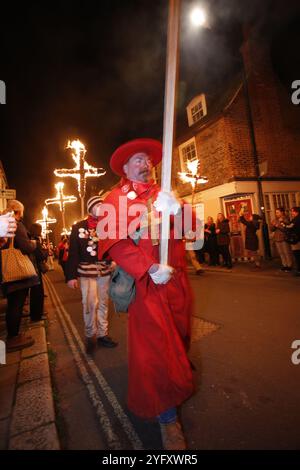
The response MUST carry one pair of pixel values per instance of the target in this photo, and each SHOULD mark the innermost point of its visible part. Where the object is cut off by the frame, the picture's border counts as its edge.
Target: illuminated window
(187, 152)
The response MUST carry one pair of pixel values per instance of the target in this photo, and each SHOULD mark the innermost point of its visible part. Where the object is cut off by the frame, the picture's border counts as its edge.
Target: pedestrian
(211, 244)
(294, 236)
(93, 276)
(50, 256)
(159, 320)
(36, 292)
(251, 238)
(192, 255)
(279, 234)
(63, 253)
(17, 291)
(223, 239)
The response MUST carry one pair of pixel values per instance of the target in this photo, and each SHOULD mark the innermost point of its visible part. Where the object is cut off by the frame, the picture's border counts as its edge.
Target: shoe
(18, 342)
(90, 345)
(172, 436)
(107, 342)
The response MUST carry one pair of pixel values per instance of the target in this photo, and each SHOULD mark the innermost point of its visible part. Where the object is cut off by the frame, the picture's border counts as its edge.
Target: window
(276, 200)
(197, 112)
(196, 109)
(187, 152)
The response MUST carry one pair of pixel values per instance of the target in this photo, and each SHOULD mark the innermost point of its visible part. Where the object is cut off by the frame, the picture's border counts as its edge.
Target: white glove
(162, 275)
(167, 202)
(8, 225)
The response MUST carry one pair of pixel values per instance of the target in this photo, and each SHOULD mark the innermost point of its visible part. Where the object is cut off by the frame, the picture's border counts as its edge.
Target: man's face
(95, 211)
(138, 168)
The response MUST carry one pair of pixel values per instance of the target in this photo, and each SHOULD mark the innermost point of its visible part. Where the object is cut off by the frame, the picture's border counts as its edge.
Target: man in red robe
(159, 321)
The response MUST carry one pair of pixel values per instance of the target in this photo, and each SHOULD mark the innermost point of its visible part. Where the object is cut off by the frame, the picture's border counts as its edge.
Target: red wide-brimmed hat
(152, 147)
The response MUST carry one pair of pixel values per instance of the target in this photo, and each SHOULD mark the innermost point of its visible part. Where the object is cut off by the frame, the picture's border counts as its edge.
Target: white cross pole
(169, 118)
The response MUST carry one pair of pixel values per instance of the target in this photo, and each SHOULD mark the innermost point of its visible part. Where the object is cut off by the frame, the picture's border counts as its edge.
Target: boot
(15, 343)
(172, 436)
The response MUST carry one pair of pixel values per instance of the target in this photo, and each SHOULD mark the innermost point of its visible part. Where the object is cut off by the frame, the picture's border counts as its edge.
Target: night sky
(95, 71)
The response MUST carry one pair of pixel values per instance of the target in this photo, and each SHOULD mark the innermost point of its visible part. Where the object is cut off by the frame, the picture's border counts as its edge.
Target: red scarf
(92, 222)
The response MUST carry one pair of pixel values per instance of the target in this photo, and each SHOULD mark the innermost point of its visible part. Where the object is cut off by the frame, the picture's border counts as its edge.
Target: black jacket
(223, 237)
(251, 239)
(78, 252)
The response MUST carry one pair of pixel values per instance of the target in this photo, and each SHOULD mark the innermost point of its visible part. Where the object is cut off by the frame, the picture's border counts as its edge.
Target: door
(237, 229)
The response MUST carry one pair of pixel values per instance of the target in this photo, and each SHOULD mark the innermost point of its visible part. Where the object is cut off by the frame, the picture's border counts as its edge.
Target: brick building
(247, 140)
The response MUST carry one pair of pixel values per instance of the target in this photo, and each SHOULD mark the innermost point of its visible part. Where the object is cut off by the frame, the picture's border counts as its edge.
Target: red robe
(159, 319)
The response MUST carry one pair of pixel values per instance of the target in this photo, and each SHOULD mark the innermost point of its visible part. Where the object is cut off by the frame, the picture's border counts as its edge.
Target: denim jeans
(167, 417)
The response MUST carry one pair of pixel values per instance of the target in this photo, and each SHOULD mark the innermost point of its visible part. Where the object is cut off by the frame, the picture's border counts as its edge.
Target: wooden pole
(82, 207)
(169, 118)
(63, 219)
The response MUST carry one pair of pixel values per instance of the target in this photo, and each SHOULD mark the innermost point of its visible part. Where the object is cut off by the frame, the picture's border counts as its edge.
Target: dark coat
(23, 243)
(40, 254)
(223, 237)
(78, 250)
(251, 239)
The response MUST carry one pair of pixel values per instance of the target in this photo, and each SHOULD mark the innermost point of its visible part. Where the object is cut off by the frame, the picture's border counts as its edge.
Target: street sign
(7, 193)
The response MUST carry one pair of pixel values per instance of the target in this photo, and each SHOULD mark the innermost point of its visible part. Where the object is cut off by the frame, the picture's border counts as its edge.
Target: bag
(15, 265)
(122, 286)
(292, 238)
(121, 289)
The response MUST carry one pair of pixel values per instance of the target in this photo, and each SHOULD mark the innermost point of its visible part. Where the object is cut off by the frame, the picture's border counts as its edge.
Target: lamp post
(265, 231)
(198, 19)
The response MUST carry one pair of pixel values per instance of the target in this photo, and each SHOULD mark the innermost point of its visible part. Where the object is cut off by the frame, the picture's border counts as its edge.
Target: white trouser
(95, 305)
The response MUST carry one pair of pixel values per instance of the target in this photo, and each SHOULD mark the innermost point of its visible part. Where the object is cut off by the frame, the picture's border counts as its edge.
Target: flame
(60, 198)
(82, 170)
(45, 221)
(45, 213)
(193, 166)
(192, 176)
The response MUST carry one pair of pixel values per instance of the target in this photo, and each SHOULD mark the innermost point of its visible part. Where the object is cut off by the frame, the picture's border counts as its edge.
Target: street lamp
(198, 17)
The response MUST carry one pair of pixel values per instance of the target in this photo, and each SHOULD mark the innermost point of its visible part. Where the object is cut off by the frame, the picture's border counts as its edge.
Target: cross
(44, 222)
(61, 200)
(192, 176)
(81, 171)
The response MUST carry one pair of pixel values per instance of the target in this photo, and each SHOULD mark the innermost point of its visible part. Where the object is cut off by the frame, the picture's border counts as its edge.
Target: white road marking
(117, 408)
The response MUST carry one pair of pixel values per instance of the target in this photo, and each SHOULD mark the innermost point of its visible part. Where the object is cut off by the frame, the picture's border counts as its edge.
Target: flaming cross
(61, 200)
(81, 171)
(44, 222)
(192, 176)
